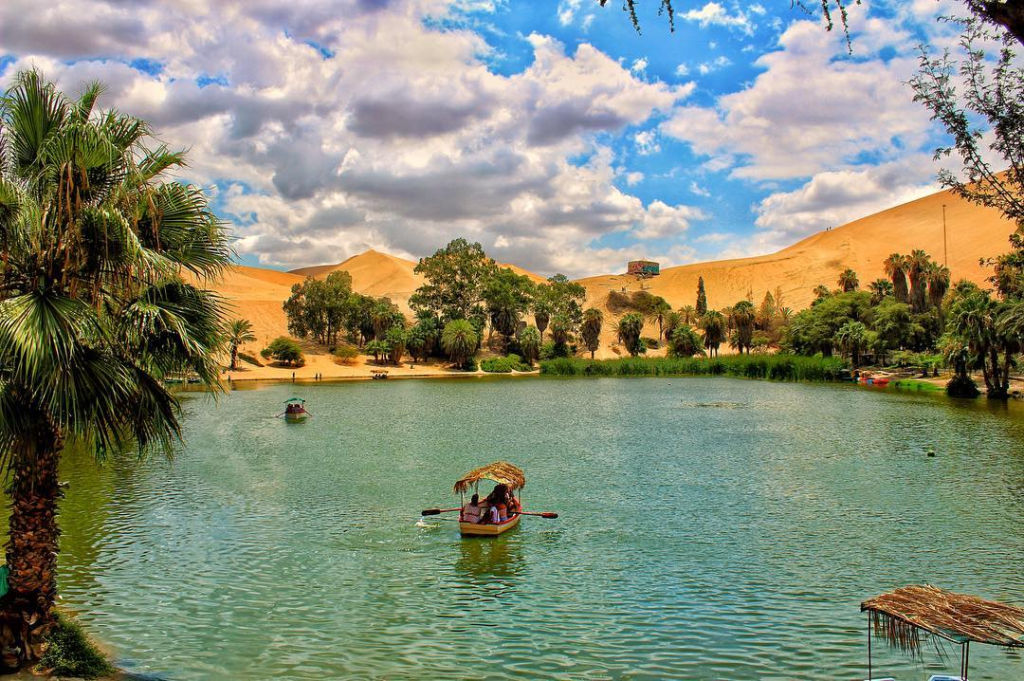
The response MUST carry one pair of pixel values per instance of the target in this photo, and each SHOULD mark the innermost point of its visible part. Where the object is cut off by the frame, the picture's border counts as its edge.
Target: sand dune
(972, 233)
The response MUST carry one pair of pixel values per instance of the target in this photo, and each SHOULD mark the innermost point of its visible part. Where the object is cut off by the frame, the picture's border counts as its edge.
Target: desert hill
(972, 233)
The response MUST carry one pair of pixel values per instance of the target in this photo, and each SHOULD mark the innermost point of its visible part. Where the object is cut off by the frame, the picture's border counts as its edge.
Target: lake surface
(709, 529)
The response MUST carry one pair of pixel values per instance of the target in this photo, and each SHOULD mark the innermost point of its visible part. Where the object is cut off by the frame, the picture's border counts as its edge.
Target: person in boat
(473, 512)
(513, 504)
(497, 500)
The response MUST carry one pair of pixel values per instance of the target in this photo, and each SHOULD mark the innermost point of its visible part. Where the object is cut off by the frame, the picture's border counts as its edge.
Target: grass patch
(779, 367)
(69, 652)
(504, 365)
(911, 384)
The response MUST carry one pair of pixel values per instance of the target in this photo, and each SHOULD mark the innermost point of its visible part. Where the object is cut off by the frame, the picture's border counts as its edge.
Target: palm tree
(821, 292)
(661, 308)
(936, 277)
(593, 319)
(743, 311)
(529, 344)
(848, 280)
(896, 269)
(673, 320)
(239, 332)
(851, 338)
(459, 339)
(93, 311)
(560, 328)
(880, 288)
(378, 349)
(630, 328)
(541, 315)
(688, 314)
(685, 342)
(917, 263)
(766, 312)
(714, 326)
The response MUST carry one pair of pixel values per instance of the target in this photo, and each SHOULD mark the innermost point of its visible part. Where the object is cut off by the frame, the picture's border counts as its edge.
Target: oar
(545, 514)
(436, 511)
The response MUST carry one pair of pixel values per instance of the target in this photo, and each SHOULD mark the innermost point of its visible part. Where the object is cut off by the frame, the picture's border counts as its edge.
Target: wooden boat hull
(486, 529)
(295, 418)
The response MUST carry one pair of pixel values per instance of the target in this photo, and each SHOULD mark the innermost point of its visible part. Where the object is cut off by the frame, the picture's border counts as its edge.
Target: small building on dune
(643, 268)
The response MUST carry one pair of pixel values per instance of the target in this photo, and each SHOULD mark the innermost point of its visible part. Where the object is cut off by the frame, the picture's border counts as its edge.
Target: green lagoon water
(710, 529)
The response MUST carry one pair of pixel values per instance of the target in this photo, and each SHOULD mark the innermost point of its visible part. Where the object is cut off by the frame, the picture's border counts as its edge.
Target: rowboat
(295, 410)
(507, 479)
(488, 530)
(500, 473)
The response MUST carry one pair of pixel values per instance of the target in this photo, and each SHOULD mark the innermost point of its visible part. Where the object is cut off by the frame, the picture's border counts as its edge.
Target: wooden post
(870, 675)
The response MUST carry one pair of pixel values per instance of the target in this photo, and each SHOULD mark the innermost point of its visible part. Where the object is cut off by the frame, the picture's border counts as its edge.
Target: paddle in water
(438, 511)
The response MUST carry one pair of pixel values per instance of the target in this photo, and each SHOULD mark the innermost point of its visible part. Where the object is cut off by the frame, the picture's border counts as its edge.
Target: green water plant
(778, 367)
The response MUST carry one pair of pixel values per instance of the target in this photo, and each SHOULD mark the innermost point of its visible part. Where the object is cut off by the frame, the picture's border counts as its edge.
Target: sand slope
(973, 233)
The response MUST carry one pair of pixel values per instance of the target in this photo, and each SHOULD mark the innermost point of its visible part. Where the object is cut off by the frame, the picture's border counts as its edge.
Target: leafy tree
(459, 340)
(894, 325)
(317, 309)
(765, 314)
(744, 314)
(848, 281)
(455, 278)
(94, 314)
(285, 350)
(685, 342)
(688, 314)
(529, 344)
(593, 319)
(508, 295)
(630, 328)
(564, 298)
(714, 326)
(397, 339)
(238, 332)
(880, 288)
(958, 355)
(992, 95)
(896, 269)
(702, 298)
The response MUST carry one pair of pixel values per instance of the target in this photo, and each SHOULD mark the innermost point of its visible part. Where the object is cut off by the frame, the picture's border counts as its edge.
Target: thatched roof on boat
(501, 472)
(901, 615)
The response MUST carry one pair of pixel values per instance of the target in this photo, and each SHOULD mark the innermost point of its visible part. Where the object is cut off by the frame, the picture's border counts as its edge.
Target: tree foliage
(455, 279)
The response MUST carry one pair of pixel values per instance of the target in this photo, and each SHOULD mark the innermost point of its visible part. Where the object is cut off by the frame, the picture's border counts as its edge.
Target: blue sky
(549, 131)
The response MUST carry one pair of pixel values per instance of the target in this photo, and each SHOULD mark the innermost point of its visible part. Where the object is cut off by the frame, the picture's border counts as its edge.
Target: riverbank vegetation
(70, 653)
(771, 367)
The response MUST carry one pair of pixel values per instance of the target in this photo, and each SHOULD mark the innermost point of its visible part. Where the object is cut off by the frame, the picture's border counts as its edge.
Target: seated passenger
(472, 512)
(495, 515)
(513, 504)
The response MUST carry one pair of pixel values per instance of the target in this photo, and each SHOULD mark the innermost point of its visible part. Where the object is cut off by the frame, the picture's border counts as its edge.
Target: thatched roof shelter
(899, 616)
(501, 472)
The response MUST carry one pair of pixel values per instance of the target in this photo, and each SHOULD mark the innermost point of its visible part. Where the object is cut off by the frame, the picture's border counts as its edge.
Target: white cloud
(639, 65)
(401, 141)
(714, 65)
(833, 198)
(809, 110)
(714, 14)
(634, 178)
(714, 238)
(567, 10)
(683, 70)
(647, 142)
(698, 190)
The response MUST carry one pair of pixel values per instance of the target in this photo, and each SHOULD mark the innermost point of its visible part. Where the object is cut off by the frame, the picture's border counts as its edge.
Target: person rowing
(472, 512)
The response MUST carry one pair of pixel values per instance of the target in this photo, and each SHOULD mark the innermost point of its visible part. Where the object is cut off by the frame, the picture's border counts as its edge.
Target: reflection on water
(732, 538)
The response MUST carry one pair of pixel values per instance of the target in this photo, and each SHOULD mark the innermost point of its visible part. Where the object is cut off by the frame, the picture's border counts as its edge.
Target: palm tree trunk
(234, 357)
(32, 545)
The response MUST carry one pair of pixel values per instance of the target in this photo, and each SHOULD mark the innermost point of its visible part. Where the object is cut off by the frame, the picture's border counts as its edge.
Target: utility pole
(945, 248)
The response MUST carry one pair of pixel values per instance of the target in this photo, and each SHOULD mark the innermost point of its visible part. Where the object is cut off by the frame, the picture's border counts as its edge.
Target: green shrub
(345, 354)
(250, 358)
(285, 350)
(780, 367)
(503, 365)
(468, 365)
(69, 652)
(961, 386)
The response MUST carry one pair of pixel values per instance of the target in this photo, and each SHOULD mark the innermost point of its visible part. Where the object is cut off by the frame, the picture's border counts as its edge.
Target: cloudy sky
(547, 130)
